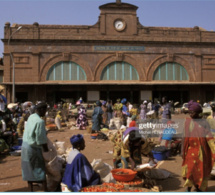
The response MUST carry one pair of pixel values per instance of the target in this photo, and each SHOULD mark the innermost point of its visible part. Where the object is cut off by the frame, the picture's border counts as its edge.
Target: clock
(119, 25)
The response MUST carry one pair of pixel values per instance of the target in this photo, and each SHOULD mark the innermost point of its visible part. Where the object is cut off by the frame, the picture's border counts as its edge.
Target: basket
(123, 174)
(159, 155)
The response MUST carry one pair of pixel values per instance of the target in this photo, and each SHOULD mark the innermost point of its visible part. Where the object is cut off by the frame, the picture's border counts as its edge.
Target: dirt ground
(10, 166)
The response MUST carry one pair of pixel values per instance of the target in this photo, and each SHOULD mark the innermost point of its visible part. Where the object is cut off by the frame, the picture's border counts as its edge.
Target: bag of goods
(54, 168)
(52, 153)
(60, 147)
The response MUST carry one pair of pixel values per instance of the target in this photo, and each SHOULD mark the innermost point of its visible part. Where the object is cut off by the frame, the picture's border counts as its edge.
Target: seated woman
(79, 172)
(129, 145)
(58, 120)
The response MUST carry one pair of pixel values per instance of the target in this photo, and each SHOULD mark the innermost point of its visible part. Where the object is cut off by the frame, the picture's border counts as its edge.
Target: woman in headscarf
(97, 117)
(143, 110)
(198, 150)
(125, 111)
(58, 120)
(109, 111)
(79, 172)
(104, 115)
(129, 145)
(81, 121)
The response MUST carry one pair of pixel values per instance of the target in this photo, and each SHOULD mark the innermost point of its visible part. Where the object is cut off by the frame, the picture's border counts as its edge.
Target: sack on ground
(52, 153)
(54, 168)
(60, 147)
(104, 170)
(158, 174)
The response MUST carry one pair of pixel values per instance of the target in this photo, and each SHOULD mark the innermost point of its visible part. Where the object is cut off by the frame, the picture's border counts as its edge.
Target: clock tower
(119, 19)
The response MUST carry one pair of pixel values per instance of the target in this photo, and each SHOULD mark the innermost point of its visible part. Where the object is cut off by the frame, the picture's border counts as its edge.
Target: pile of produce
(98, 188)
(137, 182)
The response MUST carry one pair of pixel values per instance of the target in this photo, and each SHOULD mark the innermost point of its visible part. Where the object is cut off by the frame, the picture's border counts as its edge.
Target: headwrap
(145, 102)
(104, 102)
(76, 139)
(118, 100)
(124, 100)
(98, 103)
(41, 105)
(194, 106)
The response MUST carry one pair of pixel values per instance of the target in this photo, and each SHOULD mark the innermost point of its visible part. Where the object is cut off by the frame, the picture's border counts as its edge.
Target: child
(167, 135)
(133, 121)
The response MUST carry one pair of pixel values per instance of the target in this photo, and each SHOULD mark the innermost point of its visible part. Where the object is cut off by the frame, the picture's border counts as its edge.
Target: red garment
(132, 124)
(197, 155)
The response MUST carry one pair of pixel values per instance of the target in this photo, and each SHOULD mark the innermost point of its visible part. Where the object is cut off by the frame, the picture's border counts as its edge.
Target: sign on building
(92, 96)
(146, 95)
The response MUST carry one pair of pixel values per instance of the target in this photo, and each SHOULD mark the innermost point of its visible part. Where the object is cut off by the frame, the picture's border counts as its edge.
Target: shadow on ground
(171, 184)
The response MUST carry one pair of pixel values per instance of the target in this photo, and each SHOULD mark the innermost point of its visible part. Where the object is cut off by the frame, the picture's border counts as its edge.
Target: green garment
(33, 165)
(35, 132)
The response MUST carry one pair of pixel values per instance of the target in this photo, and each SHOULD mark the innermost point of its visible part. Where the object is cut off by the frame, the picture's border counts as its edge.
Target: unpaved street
(10, 166)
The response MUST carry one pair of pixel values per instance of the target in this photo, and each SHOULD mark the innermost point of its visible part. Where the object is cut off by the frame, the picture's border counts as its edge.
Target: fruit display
(117, 185)
(111, 187)
(135, 190)
(137, 182)
(99, 188)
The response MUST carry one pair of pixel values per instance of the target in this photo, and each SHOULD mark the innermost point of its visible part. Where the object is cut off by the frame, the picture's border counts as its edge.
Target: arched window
(119, 71)
(64, 71)
(170, 71)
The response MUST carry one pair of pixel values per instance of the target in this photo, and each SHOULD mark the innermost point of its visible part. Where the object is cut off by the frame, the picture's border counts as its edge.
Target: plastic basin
(123, 174)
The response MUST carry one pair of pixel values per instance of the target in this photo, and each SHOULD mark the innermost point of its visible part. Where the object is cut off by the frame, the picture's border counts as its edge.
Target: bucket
(159, 155)
(64, 188)
(19, 141)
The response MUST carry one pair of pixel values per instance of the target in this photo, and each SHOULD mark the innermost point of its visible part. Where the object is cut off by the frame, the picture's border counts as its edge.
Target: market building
(115, 58)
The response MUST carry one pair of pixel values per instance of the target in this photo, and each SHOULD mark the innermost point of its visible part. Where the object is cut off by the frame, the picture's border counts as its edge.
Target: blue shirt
(168, 133)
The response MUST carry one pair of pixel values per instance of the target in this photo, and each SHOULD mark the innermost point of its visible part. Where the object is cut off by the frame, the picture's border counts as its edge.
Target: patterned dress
(82, 121)
(121, 150)
(198, 154)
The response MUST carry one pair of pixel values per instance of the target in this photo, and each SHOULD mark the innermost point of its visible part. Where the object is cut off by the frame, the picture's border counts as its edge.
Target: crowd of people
(28, 121)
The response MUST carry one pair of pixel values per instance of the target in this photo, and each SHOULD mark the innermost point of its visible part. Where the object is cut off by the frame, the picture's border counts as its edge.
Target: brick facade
(36, 48)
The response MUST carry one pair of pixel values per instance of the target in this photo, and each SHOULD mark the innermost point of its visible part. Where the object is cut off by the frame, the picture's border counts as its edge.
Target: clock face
(119, 25)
